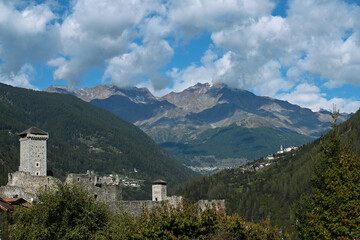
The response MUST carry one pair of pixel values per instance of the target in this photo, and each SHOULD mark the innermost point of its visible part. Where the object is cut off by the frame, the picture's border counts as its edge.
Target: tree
(333, 210)
(63, 212)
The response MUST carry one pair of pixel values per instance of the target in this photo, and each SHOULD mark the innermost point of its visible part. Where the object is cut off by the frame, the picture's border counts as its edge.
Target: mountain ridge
(180, 118)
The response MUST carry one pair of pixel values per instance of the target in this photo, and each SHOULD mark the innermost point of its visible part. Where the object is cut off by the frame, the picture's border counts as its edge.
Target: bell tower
(33, 151)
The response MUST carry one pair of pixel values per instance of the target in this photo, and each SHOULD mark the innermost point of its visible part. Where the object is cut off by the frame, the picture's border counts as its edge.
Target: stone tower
(159, 192)
(33, 151)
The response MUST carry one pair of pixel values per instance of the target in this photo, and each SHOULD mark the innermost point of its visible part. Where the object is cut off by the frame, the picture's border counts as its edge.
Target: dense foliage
(69, 212)
(82, 137)
(333, 210)
(272, 191)
(64, 212)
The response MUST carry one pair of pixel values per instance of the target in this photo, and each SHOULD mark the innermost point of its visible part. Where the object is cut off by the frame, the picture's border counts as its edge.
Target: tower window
(78, 179)
(37, 173)
(37, 164)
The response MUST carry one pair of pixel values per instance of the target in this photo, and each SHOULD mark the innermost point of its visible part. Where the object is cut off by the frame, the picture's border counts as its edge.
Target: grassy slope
(272, 191)
(82, 136)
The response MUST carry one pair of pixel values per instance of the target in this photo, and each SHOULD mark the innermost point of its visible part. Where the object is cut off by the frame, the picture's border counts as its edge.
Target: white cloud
(328, 34)
(98, 31)
(310, 96)
(191, 17)
(20, 79)
(130, 68)
(27, 36)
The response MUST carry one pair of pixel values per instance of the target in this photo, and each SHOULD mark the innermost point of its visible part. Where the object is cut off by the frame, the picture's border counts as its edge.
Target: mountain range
(210, 125)
(82, 137)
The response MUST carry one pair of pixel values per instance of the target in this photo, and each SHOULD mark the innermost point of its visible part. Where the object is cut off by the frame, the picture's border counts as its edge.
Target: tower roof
(159, 182)
(34, 131)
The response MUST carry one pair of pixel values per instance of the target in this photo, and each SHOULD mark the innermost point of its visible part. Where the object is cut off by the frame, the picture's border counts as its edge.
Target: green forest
(272, 192)
(81, 137)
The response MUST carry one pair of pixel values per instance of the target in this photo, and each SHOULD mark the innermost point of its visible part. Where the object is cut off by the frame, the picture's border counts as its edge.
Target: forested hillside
(271, 191)
(227, 142)
(82, 136)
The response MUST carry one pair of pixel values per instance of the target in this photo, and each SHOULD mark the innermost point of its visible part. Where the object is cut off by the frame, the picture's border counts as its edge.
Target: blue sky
(304, 51)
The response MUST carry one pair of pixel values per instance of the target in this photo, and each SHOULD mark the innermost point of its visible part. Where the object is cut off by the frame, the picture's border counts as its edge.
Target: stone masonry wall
(102, 188)
(33, 155)
(25, 185)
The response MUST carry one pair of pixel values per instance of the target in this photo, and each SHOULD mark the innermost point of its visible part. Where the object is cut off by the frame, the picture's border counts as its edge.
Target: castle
(33, 175)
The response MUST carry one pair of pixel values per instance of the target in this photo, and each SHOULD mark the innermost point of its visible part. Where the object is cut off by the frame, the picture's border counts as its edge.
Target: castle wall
(134, 208)
(25, 185)
(102, 188)
(218, 204)
(174, 200)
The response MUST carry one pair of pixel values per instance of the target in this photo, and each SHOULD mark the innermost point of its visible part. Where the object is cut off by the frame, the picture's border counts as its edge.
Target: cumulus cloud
(310, 96)
(130, 68)
(20, 79)
(27, 36)
(98, 31)
(190, 17)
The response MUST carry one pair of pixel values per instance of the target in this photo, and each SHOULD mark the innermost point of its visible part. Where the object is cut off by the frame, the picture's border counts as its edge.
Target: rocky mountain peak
(105, 91)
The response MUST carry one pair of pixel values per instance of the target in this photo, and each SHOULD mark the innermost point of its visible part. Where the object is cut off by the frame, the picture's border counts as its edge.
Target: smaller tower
(159, 190)
(33, 151)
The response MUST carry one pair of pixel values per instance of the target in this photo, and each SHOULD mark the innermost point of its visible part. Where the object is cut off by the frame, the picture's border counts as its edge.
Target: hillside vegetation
(229, 142)
(82, 136)
(271, 191)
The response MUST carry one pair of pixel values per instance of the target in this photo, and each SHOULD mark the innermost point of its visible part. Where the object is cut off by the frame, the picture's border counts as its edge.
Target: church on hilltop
(33, 175)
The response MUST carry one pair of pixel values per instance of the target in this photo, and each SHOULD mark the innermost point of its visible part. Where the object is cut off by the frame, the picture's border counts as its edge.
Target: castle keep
(33, 151)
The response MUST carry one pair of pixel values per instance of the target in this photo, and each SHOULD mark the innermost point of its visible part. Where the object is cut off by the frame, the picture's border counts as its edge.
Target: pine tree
(333, 210)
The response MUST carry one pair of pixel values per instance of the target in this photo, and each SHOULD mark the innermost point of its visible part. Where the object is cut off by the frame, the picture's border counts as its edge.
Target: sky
(306, 52)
